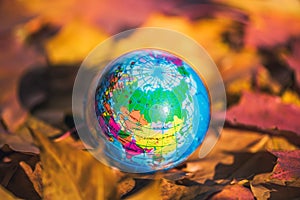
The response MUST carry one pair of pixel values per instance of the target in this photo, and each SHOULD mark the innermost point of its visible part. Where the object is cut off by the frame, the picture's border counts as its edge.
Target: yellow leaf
(237, 86)
(152, 192)
(4, 194)
(71, 174)
(50, 10)
(267, 16)
(209, 34)
(290, 7)
(280, 143)
(291, 97)
(74, 42)
(206, 32)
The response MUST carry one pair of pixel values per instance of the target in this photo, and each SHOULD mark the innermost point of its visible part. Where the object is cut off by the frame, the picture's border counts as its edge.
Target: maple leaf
(72, 174)
(264, 112)
(288, 165)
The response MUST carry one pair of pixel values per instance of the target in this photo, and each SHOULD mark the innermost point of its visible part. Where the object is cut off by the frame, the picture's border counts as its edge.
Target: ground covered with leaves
(256, 46)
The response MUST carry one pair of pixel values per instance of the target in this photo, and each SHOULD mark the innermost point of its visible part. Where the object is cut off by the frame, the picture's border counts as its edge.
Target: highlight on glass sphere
(152, 110)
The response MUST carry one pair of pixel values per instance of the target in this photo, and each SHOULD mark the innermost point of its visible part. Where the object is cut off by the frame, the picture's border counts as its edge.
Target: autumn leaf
(209, 33)
(259, 189)
(276, 143)
(232, 192)
(11, 71)
(73, 174)
(34, 176)
(263, 187)
(4, 194)
(265, 112)
(293, 60)
(12, 13)
(187, 189)
(21, 140)
(151, 192)
(288, 165)
(13, 177)
(237, 160)
(267, 16)
(252, 44)
(291, 97)
(18, 142)
(110, 15)
(78, 37)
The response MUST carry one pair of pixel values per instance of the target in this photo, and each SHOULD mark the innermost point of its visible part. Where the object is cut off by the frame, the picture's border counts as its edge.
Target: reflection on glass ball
(153, 110)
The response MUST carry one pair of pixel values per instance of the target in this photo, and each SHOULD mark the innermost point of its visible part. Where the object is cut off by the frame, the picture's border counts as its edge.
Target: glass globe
(145, 99)
(152, 109)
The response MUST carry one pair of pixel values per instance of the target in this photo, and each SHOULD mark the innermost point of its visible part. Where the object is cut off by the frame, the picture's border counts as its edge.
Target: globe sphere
(152, 110)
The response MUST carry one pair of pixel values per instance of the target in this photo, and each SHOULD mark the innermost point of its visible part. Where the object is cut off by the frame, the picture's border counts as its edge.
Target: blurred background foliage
(255, 44)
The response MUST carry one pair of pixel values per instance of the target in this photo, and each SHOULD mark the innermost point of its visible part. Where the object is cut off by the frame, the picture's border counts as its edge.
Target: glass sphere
(152, 110)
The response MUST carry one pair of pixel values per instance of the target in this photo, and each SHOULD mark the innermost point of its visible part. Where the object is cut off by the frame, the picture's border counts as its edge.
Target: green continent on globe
(156, 106)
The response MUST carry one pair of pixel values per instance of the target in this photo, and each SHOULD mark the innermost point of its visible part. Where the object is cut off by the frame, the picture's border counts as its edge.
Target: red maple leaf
(288, 165)
(265, 112)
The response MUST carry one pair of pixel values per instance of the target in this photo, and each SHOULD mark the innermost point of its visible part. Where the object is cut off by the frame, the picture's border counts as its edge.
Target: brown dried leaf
(22, 141)
(13, 177)
(263, 187)
(187, 189)
(18, 142)
(13, 114)
(234, 161)
(72, 174)
(259, 190)
(126, 185)
(34, 176)
(233, 192)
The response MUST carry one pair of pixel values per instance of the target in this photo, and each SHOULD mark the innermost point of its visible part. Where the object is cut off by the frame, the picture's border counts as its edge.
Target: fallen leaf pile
(256, 46)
